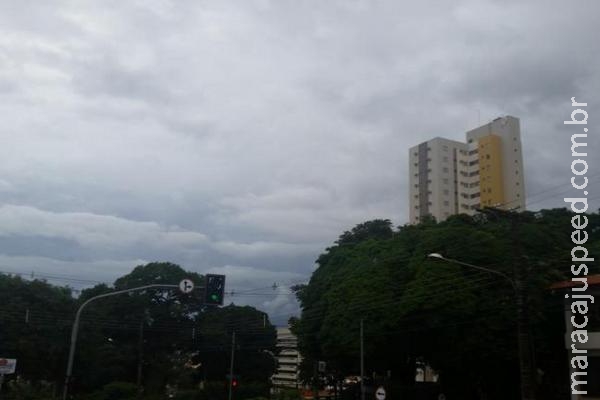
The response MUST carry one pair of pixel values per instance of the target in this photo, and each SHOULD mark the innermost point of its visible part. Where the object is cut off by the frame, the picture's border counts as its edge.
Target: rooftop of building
(592, 280)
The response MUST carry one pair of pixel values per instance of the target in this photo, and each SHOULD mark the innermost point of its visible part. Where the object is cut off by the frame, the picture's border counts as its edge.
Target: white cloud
(92, 230)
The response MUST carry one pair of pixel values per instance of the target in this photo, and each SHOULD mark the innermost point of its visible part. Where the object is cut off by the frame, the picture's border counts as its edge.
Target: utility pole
(362, 361)
(520, 277)
(140, 358)
(526, 362)
(231, 365)
(315, 384)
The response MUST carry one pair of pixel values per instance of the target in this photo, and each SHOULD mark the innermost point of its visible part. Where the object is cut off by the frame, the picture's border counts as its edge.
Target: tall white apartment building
(288, 360)
(447, 177)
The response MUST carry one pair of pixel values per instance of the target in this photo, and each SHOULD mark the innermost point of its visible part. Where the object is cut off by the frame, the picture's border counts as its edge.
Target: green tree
(459, 320)
(255, 340)
(112, 328)
(34, 327)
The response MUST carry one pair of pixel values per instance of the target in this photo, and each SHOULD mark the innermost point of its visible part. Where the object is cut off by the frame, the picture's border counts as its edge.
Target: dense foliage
(153, 339)
(419, 310)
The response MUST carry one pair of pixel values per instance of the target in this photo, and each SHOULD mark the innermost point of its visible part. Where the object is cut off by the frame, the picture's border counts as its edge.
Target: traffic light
(215, 288)
(234, 381)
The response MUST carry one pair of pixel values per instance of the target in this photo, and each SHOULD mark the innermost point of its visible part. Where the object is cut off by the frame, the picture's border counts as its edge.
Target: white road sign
(380, 393)
(7, 366)
(186, 286)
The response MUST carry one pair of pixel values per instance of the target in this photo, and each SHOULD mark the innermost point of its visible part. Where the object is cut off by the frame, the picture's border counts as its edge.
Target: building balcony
(285, 377)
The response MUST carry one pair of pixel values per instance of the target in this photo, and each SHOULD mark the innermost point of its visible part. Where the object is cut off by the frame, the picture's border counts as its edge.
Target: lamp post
(525, 359)
(450, 260)
(75, 329)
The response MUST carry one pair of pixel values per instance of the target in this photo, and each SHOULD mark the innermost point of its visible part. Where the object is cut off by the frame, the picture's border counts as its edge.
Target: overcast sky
(243, 137)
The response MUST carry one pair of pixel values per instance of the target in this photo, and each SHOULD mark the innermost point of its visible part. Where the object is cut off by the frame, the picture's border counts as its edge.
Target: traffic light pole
(362, 361)
(75, 330)
(231, 365)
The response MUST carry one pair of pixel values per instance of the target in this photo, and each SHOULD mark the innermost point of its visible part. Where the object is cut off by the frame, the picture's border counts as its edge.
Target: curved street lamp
(450, 260)
(524, 341)
(75, 329)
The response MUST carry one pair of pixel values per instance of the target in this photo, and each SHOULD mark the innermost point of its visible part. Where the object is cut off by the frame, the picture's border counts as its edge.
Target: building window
(446, 181)
(445, 169)
(447, 203)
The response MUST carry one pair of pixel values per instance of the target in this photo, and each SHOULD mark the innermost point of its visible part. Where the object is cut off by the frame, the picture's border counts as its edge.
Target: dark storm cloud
(244, 137)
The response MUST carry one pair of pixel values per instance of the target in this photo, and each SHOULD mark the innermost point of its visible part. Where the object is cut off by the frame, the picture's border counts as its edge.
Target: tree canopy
(458, 320)
(152, 337)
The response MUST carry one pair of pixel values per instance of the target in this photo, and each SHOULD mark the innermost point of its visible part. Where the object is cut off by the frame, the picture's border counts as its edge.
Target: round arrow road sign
(186, 286)
(380, 393)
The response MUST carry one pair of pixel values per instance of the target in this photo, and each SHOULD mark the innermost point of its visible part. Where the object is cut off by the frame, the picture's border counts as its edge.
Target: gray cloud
(246, 136)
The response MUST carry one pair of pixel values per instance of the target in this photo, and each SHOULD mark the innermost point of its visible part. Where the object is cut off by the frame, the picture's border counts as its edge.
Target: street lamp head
(435, 255)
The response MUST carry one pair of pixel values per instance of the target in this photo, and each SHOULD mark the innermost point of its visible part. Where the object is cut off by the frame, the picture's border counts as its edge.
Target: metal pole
(526, 359)
(140, 358)
(1, 383)
(75, 330)
(526, 362)
(315, 383)
(362, 362)
(521, 274)
(231, 365)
